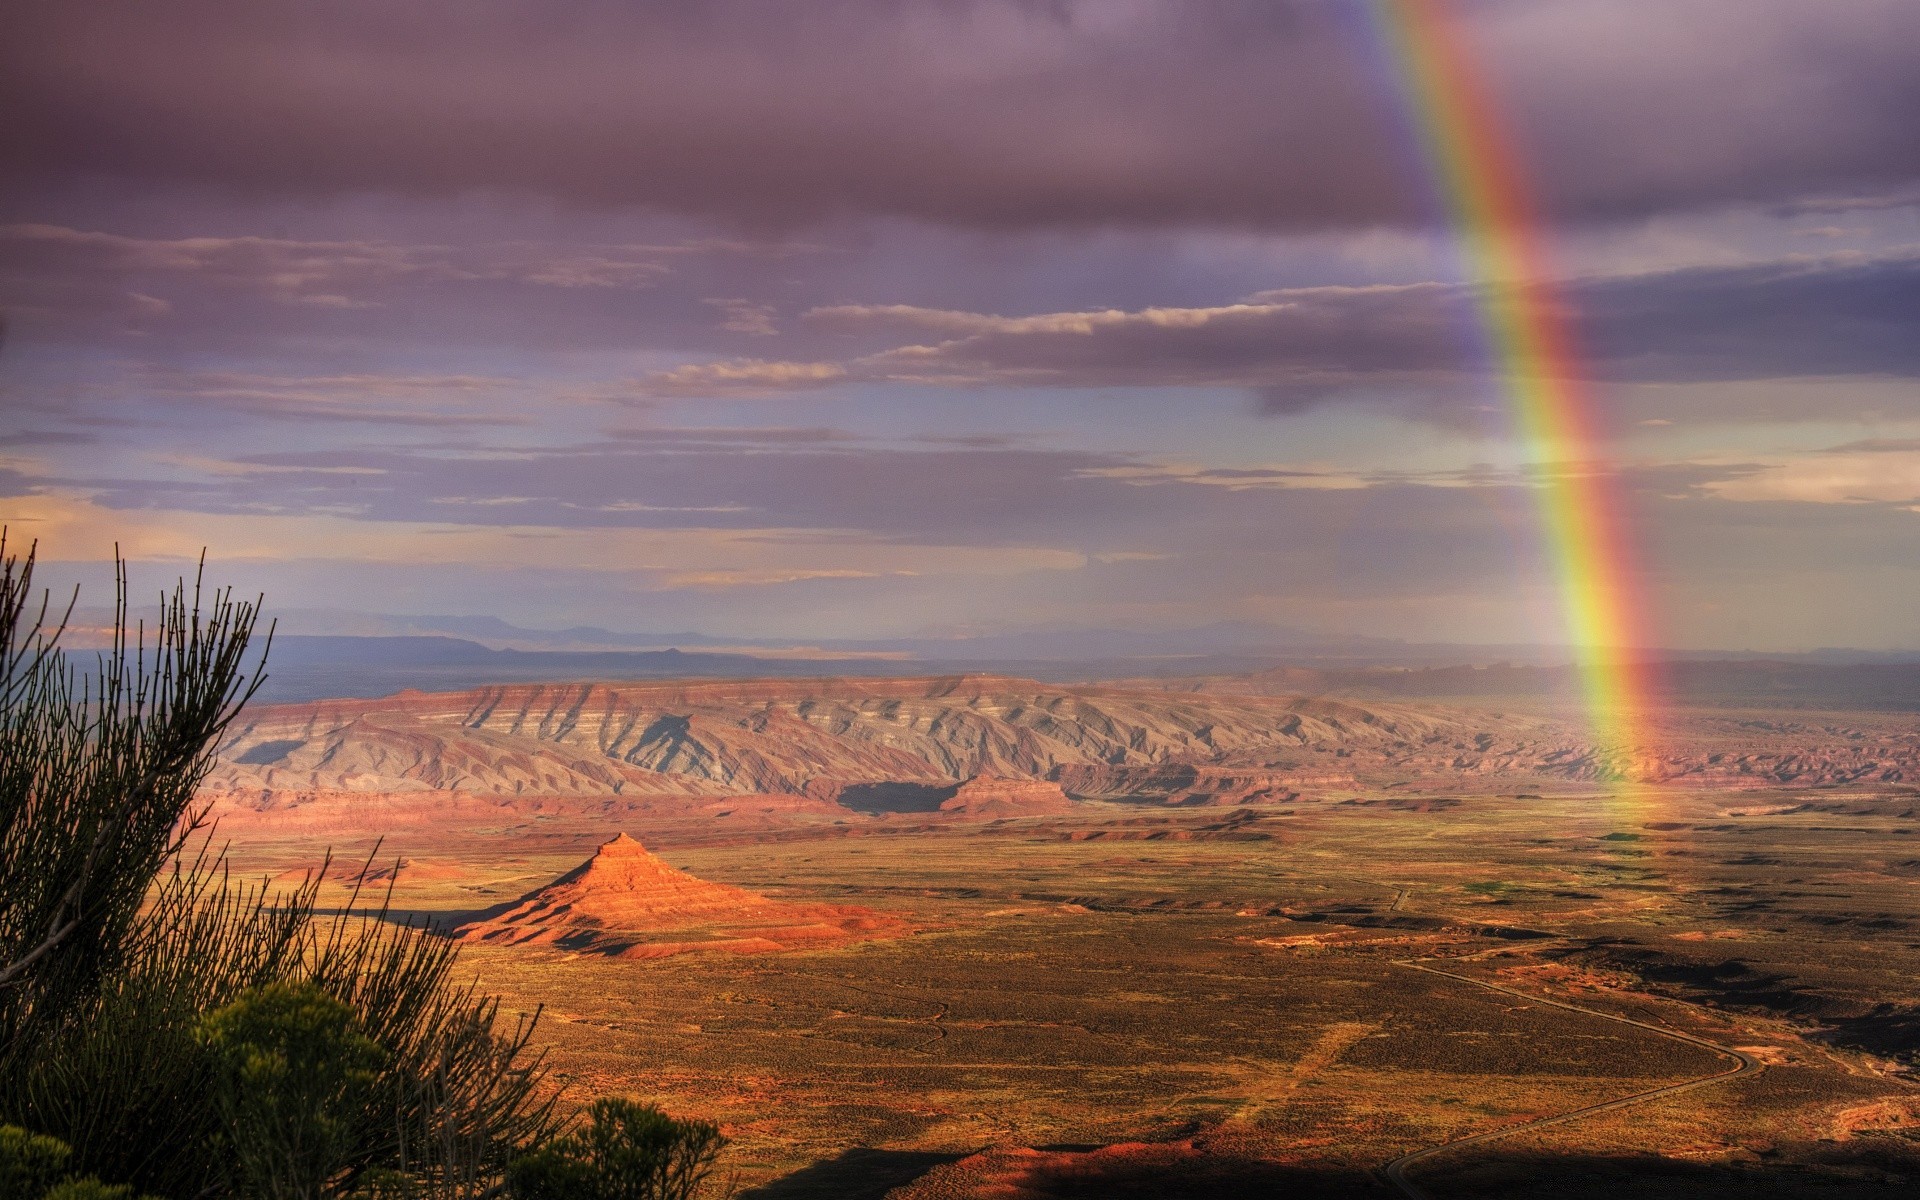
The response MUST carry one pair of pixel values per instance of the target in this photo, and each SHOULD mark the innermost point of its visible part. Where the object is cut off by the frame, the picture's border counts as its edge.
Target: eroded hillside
(818, 738)
(804, 737)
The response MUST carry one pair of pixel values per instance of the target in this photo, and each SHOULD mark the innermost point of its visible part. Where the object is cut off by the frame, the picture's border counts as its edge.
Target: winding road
(1395, 1172)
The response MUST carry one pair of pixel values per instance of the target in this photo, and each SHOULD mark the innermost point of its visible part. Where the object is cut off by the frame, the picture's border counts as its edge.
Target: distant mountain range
(1035, 645)
(1041, 645)
(322, 654)
(1801, 683)
(311, 668)
(318, 667)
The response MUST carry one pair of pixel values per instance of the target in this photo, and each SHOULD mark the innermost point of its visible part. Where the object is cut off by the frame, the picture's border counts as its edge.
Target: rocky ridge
(822, 739)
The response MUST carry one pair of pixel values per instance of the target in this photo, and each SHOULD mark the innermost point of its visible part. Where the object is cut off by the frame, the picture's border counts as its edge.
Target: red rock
(624, 899)
(820, 739)
(992, 796)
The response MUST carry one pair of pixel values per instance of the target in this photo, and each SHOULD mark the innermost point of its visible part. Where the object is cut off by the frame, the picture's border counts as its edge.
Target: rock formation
(1184, 784)
(834, 746)
(992, 796)
(797, 737)
(625, 901)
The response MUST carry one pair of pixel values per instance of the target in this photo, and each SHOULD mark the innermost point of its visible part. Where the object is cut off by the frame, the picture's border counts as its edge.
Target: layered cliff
(841, 742)
(780, 736)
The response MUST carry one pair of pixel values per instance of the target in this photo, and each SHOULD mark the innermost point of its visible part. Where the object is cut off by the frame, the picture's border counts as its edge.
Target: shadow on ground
(440, 922)
(1888, 1168)
(876, 799)
(1879, 1172)
(857, 1174)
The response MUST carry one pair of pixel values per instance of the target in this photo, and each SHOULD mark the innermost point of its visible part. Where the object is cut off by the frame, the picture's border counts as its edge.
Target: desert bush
(90, 1188)
(33, 1166)
(293, 1078)
(623, 1151)
(120, 930)
(97, 782)
(453, 1097)
(30, 1163)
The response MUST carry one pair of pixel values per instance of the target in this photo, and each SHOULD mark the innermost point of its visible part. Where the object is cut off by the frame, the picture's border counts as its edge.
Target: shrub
(30, 1163)
(625, 1151)
(90, 1189)
(33, 1166)
(97, 783)
(117, 936)
(190, 1037)
(293, 1079)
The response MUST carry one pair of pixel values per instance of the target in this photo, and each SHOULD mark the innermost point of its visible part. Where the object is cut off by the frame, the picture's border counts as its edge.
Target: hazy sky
(846, 319)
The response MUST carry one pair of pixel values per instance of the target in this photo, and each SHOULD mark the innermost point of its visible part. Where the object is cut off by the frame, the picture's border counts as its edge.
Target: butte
(625, 902)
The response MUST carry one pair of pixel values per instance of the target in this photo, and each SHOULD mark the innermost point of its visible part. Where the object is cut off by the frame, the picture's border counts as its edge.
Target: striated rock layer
(837, 740)
(798, 737)
(625, 901)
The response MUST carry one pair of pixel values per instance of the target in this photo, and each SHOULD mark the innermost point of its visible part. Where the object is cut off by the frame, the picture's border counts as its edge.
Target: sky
(883, 318)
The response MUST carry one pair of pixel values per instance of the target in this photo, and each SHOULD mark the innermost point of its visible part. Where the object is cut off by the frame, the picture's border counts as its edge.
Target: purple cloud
(1412, 345)
(990, 113)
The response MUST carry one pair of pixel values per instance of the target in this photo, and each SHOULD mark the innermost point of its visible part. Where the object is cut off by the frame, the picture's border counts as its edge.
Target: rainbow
(1470, 159)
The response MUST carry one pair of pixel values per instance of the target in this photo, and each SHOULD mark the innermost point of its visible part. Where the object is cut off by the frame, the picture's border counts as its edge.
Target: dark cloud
(361, 285)
(1844, 315)
(46, 437)
(675, 479)
(322, 272)
(1824, 205)
(998, 113)
(1113, 538)
(1185, 541)
(248, 291)
(426, 401)
(832, 483)
(1414, 345)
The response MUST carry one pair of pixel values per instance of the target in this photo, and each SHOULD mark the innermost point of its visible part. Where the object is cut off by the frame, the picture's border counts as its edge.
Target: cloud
(763, 577)
(430, 401)
(80, 526)
(411, 277)
(812, 530)
(47, 437)
(744, 316)
(812, 481)
(744, 376)
(325, 274)
(1900, 198)
(985, 113)
(938, 320)
(1862, 473)
(1236, 479)
(1415, 346)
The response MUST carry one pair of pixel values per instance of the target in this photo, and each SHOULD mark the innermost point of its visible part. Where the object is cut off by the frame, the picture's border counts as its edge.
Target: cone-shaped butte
(625, 901)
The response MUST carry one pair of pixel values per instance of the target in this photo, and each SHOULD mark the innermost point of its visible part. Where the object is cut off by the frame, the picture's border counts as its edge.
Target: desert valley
(978, 936)
(960, 600)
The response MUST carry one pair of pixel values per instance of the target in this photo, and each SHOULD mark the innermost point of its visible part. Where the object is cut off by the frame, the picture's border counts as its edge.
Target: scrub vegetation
(169, 1030)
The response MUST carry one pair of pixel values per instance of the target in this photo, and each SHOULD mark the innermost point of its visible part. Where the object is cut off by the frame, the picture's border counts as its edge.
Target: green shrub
(293, 1079)
(625, 1151)
(90, 1189)
(30, 1163)
(553, 1172)
(33, 1166)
